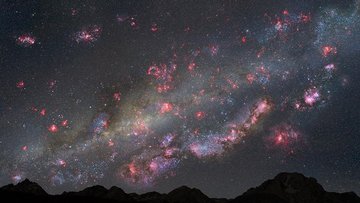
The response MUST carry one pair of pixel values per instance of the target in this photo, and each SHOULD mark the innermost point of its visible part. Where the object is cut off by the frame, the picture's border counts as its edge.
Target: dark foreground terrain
(284, 188)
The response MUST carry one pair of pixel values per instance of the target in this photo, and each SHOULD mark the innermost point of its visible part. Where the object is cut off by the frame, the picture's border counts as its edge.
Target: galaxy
(151, 95)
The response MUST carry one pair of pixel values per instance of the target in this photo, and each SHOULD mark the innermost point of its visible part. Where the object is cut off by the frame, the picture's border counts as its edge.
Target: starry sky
(152, 95)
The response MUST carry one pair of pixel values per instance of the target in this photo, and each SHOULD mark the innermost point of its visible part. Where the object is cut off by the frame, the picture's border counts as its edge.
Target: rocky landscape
(283, 188)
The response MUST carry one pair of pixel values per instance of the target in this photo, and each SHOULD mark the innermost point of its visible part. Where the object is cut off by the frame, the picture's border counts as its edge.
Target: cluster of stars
(196, 100)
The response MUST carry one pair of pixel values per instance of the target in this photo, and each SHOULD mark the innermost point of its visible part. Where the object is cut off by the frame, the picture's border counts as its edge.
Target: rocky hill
(284, 188)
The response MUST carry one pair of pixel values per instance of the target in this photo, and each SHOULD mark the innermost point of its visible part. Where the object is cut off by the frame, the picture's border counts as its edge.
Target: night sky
(152, 95)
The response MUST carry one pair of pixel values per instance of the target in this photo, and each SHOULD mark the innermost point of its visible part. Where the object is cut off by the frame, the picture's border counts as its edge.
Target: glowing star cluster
(26, 40)
(210, 145)
(201, 150)
(166, 107)
(328, 50)
(311, 96)
(20, 84)
(53, 128)
(100, 123)
(163, 75)
(145, 169)
(88, 34)
(330, 67)
(285, 137)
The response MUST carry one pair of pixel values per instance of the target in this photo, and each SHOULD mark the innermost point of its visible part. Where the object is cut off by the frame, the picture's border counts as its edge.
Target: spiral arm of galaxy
(152, 95)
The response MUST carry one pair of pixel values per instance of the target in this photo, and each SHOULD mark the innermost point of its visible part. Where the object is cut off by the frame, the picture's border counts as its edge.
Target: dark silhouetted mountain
(294, 188)
(185, 194)
(117, 194)
(25, 186)
(284, 188)
(149, 197)
(98, 191)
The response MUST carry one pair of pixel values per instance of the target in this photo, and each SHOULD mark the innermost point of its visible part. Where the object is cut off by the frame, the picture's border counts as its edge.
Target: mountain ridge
(283, 188)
